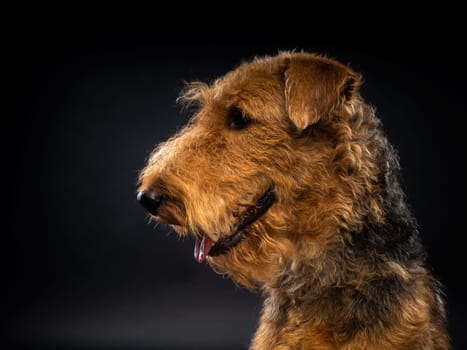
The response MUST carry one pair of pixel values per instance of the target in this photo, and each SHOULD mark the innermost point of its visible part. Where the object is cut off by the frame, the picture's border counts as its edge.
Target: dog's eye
(237, 120)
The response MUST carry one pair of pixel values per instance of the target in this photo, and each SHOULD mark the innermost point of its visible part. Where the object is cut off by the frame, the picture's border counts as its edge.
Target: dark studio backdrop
(83, 267)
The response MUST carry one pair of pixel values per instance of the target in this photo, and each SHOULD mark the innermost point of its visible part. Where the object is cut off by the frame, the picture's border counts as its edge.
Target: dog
(289, 185)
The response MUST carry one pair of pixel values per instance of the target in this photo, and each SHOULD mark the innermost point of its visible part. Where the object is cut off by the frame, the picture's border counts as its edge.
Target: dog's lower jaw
(204, 246)
(256, 261)
(251, 276)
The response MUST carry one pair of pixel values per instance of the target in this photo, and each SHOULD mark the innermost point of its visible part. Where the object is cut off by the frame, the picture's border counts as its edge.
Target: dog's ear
(314, 86)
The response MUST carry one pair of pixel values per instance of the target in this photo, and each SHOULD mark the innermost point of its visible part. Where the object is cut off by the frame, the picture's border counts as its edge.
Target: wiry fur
(338, 256)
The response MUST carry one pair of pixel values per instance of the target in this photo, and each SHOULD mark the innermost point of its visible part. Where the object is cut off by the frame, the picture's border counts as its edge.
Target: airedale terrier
(289, 186)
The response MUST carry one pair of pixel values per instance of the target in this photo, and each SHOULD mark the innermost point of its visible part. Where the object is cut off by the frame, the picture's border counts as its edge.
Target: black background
(83, 267)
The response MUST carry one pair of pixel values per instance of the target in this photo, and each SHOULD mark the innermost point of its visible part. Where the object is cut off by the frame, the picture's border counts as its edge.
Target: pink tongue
(202, 248)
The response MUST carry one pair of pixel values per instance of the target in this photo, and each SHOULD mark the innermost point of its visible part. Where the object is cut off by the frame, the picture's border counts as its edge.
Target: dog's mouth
(205, 247)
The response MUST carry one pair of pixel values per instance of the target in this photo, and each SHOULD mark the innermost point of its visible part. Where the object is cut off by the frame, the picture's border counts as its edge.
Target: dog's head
(280, 156)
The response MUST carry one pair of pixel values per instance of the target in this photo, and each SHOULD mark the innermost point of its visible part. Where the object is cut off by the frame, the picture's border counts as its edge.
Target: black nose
(150, 201)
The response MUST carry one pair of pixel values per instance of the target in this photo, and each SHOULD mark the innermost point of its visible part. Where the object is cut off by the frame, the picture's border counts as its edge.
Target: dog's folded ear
(314, 86)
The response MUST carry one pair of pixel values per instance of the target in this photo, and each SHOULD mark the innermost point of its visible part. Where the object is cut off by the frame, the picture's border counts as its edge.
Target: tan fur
(314, 138)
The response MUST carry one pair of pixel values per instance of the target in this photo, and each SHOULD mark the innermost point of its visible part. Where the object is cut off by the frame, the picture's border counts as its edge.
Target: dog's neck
(357, 282)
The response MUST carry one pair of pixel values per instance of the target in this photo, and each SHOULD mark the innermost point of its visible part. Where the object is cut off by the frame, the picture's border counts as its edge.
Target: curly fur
(338, 256)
